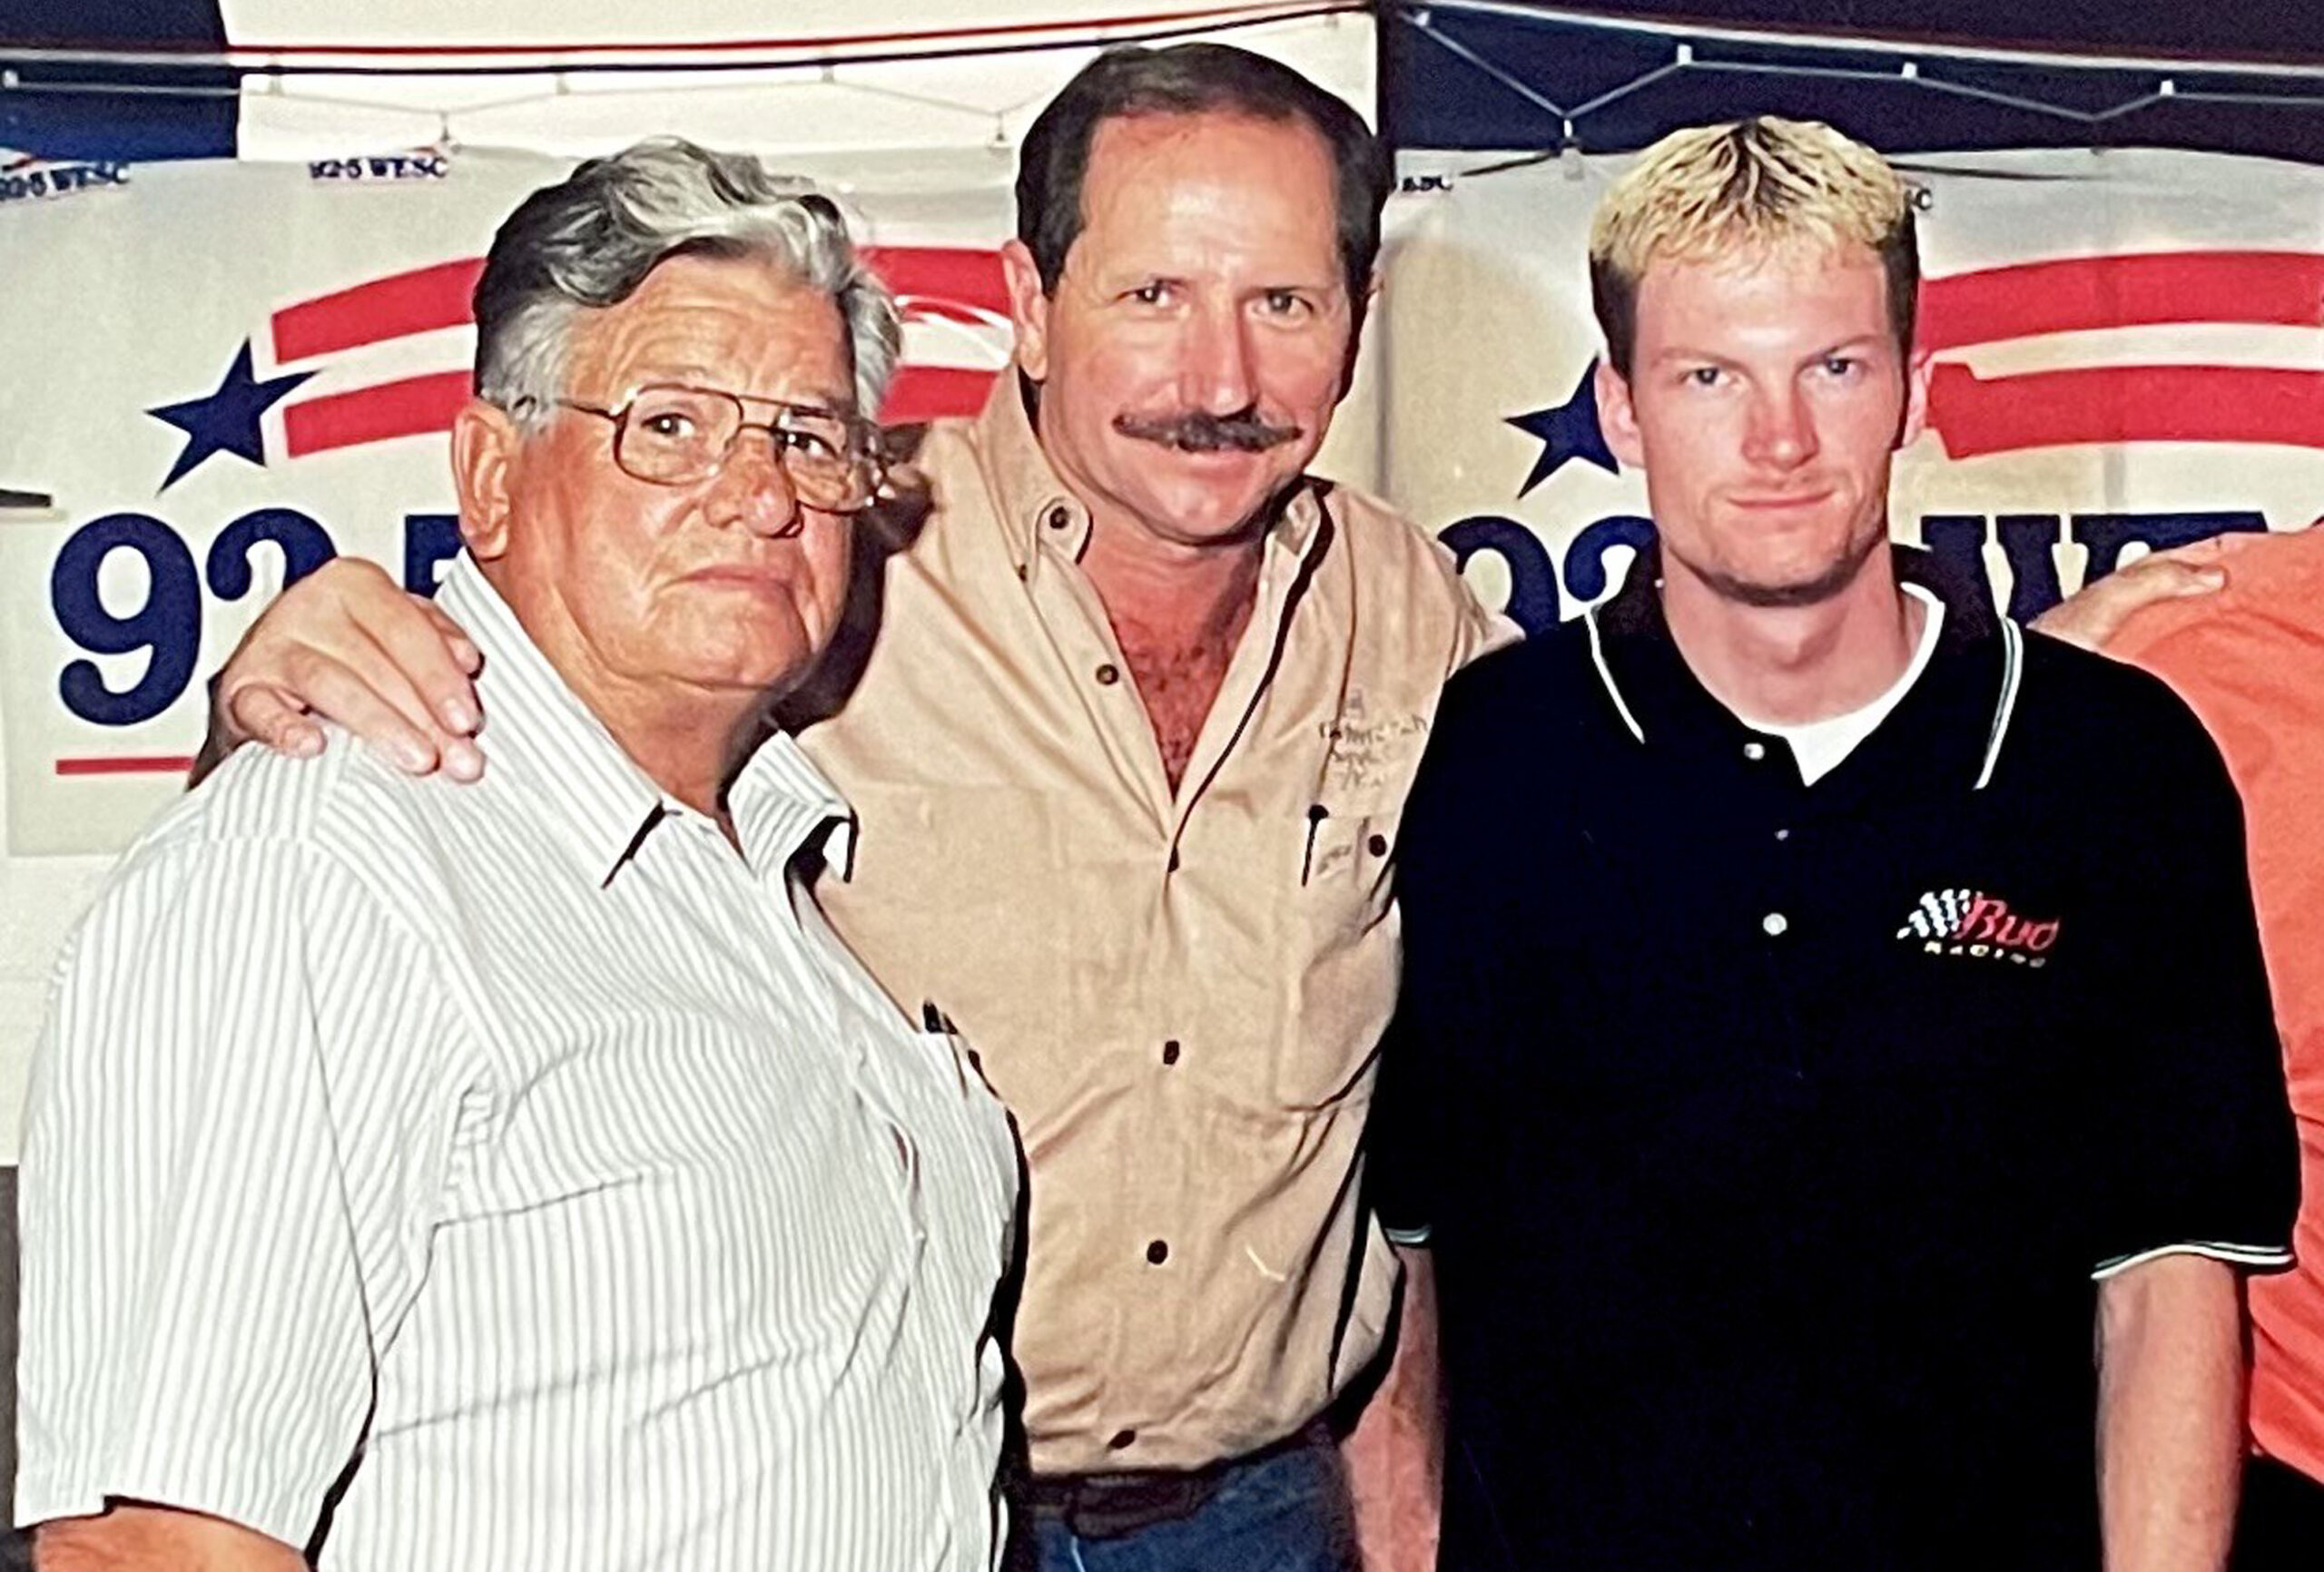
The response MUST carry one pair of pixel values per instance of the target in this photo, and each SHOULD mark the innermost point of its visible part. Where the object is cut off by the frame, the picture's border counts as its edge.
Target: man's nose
(1782, 430)
(1216, 376)
(753, 490)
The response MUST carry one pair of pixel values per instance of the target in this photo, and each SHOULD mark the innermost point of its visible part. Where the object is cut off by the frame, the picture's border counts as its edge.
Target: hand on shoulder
(2091, 617)
(347, 644)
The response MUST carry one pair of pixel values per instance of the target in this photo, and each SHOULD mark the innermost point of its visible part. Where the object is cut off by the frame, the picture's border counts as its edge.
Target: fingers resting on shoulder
(347, 644)
(2096, 613)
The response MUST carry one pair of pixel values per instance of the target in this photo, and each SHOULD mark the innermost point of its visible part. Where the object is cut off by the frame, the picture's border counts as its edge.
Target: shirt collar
(780, 803)
(549, 745)
(1948, 729)
(1039, 515)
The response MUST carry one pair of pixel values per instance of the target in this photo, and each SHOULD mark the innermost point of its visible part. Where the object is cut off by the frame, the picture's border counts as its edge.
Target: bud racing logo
(1969, 922)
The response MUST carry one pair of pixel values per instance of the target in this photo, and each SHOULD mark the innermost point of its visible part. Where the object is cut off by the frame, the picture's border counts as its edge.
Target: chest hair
(1178, 676)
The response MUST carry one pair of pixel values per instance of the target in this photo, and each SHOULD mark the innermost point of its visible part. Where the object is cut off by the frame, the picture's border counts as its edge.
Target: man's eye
(668, 426)
(1152, 294)
(1841, 365)
(1284, 303)
(812, 444)
(1705, 376)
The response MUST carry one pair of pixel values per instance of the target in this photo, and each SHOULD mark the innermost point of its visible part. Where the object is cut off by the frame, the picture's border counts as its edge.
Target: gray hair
(590, 240)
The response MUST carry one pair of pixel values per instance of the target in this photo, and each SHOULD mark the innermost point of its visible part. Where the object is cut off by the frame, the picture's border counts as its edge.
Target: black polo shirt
(1768, 1136)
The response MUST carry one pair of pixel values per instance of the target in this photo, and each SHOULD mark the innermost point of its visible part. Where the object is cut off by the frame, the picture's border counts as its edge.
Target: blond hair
(1749, 186)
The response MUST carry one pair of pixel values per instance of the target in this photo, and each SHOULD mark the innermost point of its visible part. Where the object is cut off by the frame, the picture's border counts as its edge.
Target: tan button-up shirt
(1179, 997)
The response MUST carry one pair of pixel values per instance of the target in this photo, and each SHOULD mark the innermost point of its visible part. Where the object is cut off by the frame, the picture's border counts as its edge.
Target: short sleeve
(2195, 1140)
(227, 1142)
(1480, 630)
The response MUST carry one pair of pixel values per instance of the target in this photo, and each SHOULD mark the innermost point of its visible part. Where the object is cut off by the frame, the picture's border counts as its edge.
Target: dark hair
(1193, 79)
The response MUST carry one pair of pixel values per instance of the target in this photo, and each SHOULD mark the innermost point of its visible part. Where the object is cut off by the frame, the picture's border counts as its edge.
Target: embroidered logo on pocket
(1962, 921)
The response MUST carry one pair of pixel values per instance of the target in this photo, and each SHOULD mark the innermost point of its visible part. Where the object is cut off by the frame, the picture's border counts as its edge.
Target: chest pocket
(1342, 968)
(1347, 868)
(1997, 989)
(959, 1154)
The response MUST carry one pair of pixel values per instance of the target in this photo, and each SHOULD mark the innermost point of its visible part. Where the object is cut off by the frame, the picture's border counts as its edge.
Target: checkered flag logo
(1939, 914)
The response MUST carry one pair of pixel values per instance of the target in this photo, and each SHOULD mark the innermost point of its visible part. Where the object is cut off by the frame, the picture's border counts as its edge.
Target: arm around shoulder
(346, 643)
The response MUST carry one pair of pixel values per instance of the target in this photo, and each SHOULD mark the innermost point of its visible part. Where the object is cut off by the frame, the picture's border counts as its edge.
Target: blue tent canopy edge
(1504, 75)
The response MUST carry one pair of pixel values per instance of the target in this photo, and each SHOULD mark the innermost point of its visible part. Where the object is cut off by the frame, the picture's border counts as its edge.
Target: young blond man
(1805, 1073)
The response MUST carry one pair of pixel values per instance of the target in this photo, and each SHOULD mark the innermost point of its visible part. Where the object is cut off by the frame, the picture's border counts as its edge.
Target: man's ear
(484, 448)
(1359, 317)
(1915, 417)
(1029, 308)
(1617, 417)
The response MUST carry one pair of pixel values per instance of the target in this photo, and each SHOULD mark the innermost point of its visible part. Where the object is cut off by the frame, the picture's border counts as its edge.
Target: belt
(1110, 1505)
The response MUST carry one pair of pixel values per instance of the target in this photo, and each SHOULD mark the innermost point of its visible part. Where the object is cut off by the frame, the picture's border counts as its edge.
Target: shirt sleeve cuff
(2254, 1257)
(282, 1517)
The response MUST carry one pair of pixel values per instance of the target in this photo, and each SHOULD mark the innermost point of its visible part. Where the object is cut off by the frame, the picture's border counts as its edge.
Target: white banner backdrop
(2128, 353)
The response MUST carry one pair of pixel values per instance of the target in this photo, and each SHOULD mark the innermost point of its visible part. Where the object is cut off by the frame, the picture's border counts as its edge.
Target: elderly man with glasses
(525, 1177)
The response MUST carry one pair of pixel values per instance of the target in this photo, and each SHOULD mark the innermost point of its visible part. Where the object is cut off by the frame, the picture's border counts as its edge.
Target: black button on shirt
(1767, 1136)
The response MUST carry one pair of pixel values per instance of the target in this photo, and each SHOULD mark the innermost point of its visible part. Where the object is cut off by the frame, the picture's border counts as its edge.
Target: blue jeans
(1287, 1512)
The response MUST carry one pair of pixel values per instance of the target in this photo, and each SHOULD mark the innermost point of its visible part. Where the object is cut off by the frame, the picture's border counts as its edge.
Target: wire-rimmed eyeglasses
(668, 434)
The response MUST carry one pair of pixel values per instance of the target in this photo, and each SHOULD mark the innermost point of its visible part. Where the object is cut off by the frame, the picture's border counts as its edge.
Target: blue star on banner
(227, 421)
(1567, 432)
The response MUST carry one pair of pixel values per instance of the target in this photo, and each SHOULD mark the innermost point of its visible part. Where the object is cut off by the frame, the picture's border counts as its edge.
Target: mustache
(1196, 431)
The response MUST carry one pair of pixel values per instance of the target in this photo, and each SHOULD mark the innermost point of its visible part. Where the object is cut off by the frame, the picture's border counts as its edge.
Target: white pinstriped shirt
(517, 1161)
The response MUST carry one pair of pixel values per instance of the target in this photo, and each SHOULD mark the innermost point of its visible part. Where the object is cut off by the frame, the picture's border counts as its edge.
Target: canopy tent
(152, 78)
(1512, 75)
(144, 80)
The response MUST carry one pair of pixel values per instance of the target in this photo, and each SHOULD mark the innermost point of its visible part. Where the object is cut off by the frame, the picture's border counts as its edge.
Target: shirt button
(1377, 846)
(1059, 516)
(1108, 674)
(1122, 1438)
(1783, 835)
(1157, 1253)
(1170, 1052)
(1774, 924)
(1755, 751)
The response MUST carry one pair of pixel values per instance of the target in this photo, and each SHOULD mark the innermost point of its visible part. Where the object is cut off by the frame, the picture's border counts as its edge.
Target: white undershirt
(1820, 745)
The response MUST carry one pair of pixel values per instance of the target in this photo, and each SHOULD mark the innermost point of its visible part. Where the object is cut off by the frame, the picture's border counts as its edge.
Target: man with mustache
(1128, 754)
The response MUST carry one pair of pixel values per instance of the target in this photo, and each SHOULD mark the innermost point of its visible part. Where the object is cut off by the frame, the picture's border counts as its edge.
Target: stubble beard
(1761, 595)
